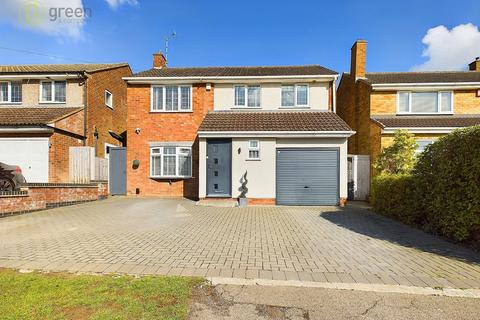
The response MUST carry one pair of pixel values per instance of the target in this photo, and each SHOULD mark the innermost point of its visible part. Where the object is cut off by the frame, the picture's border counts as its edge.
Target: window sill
(175, 111)
(425, 114)
(246, 108)
(248, 159)
(52, 102)
(11, 103)
(169, 178)
(295, 108)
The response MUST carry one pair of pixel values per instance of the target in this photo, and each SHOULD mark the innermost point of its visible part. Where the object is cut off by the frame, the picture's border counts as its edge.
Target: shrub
(442, 194)
(394, 196)
(399, 158)
(448, 176)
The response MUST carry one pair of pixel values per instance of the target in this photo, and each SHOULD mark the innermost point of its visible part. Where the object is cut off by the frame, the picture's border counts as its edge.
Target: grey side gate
(307, 176)
(117, 171)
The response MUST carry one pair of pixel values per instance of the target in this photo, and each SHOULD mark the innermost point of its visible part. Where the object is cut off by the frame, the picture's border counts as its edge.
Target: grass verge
(66, 296)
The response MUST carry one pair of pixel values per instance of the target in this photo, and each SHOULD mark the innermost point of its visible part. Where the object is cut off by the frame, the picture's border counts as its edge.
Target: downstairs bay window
(171, 162)
(423, 102)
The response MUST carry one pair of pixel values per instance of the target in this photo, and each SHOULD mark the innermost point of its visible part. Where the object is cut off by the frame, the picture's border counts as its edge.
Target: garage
(307, 176)
(31, 154)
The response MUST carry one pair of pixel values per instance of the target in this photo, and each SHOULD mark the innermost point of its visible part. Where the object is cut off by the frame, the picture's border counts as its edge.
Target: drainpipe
(83, 75)
(334, 95)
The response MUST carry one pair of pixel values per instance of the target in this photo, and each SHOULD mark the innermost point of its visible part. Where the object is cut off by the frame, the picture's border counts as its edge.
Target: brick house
(46, 109)
(428, 104)
(195, 132)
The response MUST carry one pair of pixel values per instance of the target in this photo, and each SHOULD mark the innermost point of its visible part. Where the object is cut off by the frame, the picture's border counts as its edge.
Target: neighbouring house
(211, 132)
(45, 109)
(427, 104)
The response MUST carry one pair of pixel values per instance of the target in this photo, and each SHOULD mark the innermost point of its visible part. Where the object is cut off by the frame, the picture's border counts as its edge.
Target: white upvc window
(295, 95)
(422, 144)
(253, 150)
(247, 96)
(109, 99)
(53, 91)
(10, 92)
(171, 162)
(425, 102)
(171, 98)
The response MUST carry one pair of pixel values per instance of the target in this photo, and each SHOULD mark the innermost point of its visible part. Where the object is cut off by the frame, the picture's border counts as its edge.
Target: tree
(399, 158)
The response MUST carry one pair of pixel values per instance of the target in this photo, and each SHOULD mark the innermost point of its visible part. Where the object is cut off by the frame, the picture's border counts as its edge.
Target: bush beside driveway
(442, 194)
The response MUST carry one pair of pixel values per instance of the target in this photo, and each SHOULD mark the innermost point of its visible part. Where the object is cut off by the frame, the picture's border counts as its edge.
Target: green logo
(31, 13)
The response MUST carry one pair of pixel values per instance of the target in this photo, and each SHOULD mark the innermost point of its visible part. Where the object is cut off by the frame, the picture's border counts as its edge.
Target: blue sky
(252, 33)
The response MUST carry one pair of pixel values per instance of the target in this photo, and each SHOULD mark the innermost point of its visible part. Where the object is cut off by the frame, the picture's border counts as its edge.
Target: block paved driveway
(175, 237)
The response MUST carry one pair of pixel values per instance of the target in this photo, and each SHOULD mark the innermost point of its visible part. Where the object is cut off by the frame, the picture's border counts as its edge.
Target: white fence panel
(101, 169)
(85, 167)
(360, 174)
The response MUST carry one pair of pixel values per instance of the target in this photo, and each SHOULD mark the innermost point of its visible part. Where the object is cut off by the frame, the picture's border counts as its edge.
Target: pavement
(231, 302)
(175, 237)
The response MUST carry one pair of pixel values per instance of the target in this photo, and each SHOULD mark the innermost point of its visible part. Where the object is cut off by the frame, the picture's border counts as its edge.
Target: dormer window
(10, 92)
(424, 102)
(53, 91)
(247, 96)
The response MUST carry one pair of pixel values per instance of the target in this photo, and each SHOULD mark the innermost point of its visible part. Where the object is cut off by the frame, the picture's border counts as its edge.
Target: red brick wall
(40, 196)
(100, 116)
(58, 160)
(73, 123)
(162, 127)
(60, 143)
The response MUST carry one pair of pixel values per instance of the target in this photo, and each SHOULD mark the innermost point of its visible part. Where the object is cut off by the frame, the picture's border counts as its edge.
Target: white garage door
(31, 154)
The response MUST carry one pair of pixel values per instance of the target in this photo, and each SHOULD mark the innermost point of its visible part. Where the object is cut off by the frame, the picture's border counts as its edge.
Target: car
(11, 177)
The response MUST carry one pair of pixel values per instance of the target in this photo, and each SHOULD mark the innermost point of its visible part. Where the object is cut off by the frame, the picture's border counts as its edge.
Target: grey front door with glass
(219, 168)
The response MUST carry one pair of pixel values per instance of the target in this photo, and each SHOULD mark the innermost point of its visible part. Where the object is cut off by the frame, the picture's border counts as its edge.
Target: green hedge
(442, 195)
(394, 196)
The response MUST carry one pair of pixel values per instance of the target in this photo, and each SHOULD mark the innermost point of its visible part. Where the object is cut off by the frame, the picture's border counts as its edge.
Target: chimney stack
(358, 59)
(475, 65)
(159, 60)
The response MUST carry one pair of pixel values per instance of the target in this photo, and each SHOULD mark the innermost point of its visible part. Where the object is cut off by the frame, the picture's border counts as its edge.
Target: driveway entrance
(154, 236)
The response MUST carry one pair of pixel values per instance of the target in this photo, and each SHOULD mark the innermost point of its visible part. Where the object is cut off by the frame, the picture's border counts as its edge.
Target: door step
(218, 202)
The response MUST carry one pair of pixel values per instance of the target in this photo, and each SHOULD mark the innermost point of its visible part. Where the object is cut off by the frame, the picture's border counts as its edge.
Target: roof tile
(273, 121)
(440, 121)
(237, 71)
(33, 116)
(423, 77)
(63, 68)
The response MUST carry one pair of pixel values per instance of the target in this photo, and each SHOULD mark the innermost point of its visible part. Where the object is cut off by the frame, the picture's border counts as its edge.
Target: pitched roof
(423, 77)
(440, 121)
(273, 121)
(33, 116)
(311, 70)
(62, 68)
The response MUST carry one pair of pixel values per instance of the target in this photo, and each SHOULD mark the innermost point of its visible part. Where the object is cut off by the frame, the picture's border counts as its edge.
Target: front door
(219, 168)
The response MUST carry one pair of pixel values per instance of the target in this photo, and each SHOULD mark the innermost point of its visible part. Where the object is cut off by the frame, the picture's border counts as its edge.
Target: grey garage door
(307, 176)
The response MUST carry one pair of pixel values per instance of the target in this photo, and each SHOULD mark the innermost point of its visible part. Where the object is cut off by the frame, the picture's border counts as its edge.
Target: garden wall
(40, 196)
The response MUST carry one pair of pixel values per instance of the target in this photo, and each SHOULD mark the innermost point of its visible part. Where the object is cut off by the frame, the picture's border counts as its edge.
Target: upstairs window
(10, 92)
(247, 96)
(108, 99)
(295, 95)
(171, 99)
(53, 91)
(425, 102)
(171, 162)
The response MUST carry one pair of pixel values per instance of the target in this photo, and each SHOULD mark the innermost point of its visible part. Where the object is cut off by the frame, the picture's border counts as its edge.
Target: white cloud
(114, 4)
(450, 49)
(45, 16)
